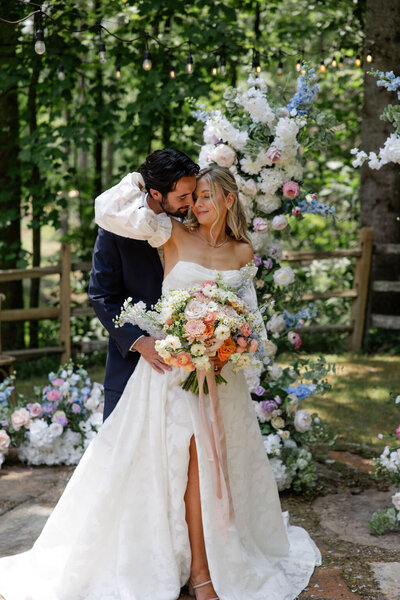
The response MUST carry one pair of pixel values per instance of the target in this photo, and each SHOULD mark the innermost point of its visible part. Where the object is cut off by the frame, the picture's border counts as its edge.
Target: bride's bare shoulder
(244, 253)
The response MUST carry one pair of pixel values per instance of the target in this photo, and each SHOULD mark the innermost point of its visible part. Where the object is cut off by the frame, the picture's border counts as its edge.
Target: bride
(139, 517)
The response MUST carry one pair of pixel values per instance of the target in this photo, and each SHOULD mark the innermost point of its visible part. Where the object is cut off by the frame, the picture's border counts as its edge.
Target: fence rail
(64, 312)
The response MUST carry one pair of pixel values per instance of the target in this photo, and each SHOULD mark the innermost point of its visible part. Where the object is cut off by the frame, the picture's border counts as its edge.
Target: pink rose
(273, 154)
(253, 345)
(57, 382)
(239, 349)
(290, 189)
(4, 440)
(20, 418)
(242, 342)
(53, 395)
(294, 339)
(245, 329)
(224, 155)
(296, 211)
(208, 283)
(398, 431)
(209, 318)
(36, 410)
(260, 224)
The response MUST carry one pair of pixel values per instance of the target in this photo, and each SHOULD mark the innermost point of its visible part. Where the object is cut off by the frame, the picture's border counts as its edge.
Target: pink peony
(253, 345)
(4, 440)
(296, 211)
(194, 329)
(242, 342)
(36, 410)
(260, 225)
(20, 418)
(57, 382)
(209, 318)
(245, 329)
(53, 395)
(273, 154)
(398, 431)
(224, 155)
(290, 189)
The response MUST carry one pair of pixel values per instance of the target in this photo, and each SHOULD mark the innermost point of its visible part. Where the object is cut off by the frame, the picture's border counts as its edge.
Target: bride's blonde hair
(236, 225)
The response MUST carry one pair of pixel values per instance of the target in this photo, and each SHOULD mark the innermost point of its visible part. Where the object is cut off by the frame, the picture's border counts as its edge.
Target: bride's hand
(217, 364)
(145, 346)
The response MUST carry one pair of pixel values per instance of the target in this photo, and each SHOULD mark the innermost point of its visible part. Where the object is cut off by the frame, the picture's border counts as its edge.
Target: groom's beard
(180, 212)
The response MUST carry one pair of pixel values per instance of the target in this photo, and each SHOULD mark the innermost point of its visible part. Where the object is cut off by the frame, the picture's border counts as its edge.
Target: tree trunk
(380, 189)
(36, 205)
(10, 179)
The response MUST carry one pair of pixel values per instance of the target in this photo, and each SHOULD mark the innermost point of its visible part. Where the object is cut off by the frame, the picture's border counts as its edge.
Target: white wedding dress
(119, 530)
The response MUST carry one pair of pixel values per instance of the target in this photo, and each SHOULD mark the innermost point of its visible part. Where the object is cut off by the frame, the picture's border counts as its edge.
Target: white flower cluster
(255, 103)
(390, 152)
(390, 460)
(219, 128)
(286, 138)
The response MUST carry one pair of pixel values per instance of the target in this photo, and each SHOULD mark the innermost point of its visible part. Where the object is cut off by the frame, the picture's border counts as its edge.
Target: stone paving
(356, 565)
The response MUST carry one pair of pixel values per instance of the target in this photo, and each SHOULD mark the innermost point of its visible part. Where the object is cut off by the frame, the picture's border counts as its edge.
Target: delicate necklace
(211, 243)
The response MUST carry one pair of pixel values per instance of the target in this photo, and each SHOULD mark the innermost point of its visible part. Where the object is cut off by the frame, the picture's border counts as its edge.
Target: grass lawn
(356, 408)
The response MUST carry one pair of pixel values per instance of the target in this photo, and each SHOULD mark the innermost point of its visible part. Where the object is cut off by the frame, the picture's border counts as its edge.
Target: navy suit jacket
(122, 267)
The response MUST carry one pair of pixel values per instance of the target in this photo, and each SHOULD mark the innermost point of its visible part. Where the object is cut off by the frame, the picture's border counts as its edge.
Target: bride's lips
(201, 212)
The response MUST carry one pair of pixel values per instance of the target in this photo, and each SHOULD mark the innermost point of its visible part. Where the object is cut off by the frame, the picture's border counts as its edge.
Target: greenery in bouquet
(197, 324)
(388, 467)
(390, 151)
(58, 425)
(262, 141)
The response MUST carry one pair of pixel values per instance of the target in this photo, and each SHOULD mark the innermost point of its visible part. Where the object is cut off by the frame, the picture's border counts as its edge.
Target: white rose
(160, 346)
(302, 421)
(222, 332)
(276, 324)
(55, 430)
(275, 371)
(195, 310)
(4, 440)
(277, 422)
(285, 435)
(224, 156)
(279, 222)
(270, 348)
(395, 499)
(197, 349)
(20, 418)
(243, 362)
(202, 362)
(92, 403)
(284, 276)
(249, 187)
(173, 342)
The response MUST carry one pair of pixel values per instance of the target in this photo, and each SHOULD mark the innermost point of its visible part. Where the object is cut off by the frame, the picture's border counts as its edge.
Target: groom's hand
(145, 346)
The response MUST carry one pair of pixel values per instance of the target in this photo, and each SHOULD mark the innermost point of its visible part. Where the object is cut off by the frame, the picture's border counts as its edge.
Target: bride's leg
(199, 567)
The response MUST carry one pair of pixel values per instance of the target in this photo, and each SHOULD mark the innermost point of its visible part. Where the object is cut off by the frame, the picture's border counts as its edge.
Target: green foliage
(383, 520)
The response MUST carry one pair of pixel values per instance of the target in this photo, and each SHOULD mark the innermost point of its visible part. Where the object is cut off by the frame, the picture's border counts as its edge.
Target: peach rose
(4, 440)
(209, 331)
(253, 345)
(245, 329)
(227, 349)
(20, 418)
(209, 318)
(242, 342)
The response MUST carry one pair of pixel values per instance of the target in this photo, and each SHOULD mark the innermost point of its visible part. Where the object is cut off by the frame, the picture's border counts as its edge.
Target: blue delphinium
(389, 81)
(315, 207)
(294, 320)
(303, 99)
(302, 390)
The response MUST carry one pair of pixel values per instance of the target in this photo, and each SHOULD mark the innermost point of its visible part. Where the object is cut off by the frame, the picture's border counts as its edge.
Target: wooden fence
(358, 295)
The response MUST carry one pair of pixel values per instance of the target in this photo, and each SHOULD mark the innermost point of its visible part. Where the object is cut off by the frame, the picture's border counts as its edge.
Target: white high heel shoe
(193, 588)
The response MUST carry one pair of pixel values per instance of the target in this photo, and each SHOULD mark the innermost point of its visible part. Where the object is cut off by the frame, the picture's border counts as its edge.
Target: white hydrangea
(256, 105)
(268, 203)
(275, 371)
(260, 241)
(276, 324)
(284, 276)
(272, 444)
(270, 180)
(282, 476)
(391, 150)
(219, 128)
(206, 156)
(285, 138)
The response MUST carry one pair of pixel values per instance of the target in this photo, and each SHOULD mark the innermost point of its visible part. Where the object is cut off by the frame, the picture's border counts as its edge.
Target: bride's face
(206, 209)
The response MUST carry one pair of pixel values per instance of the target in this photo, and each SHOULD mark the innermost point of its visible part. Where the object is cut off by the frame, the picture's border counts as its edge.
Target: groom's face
(178, 201)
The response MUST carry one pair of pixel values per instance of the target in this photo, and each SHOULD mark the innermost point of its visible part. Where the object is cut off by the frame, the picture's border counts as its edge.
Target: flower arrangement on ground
(261, 143)
(6, 390)
(390, 152)
(197, 324)
(388, 465)
(58, 426)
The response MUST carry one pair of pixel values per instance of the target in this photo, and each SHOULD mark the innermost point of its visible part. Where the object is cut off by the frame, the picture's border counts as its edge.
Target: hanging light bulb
(357, 62)
(172, 71)
(322, 66)
(189, 64)
(303, 70)
(223, 64)
(61, 74)
(102, 51)
(340, 62)
(214, 69)
(298, 65)
(334, 62)
(118, 67)
(147, 64)
(40, 46)
(369, 57)
(279, 71)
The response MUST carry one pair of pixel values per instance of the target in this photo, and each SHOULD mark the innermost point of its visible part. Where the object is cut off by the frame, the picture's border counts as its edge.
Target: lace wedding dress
(119, 530)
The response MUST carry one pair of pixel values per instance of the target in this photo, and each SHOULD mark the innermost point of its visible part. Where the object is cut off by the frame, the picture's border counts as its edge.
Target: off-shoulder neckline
(189, 262)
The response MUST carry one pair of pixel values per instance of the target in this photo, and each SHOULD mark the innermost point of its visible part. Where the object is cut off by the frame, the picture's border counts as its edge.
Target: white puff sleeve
(123, 210)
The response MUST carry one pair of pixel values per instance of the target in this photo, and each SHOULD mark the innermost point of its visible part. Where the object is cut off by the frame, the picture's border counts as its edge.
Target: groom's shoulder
(107, 237)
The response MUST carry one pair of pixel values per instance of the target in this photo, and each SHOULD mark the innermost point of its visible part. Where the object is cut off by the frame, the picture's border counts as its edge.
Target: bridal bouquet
(209, 320)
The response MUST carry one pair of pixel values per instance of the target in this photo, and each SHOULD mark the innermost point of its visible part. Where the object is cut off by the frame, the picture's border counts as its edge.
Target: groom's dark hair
(163, 168)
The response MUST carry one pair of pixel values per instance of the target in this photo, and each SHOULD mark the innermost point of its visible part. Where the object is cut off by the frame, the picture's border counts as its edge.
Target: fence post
(65, 302)
(361, 281)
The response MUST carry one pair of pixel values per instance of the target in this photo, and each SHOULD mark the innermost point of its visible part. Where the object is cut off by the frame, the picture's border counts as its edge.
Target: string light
(322, 66)
(118, 67)
(223, 64)
(214, 69)
(279, 71)
(334, 62)
(147, 64)
(40, 46)
(303, 70)
(61, 74)
(255, 64)
(298, 65)
(340, 63)
(102, 48)
(172, 71)
(369, 58)
(357, 62)
(189, 62)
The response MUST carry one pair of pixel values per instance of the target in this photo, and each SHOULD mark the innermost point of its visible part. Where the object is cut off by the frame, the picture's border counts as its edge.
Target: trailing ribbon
(215, 441)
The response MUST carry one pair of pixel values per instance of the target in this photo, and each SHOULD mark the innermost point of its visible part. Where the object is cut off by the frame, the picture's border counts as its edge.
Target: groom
(124, 267)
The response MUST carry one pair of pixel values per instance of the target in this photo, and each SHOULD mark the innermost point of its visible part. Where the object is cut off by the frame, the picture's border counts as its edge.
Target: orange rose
(227, 349)
(209, 332)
